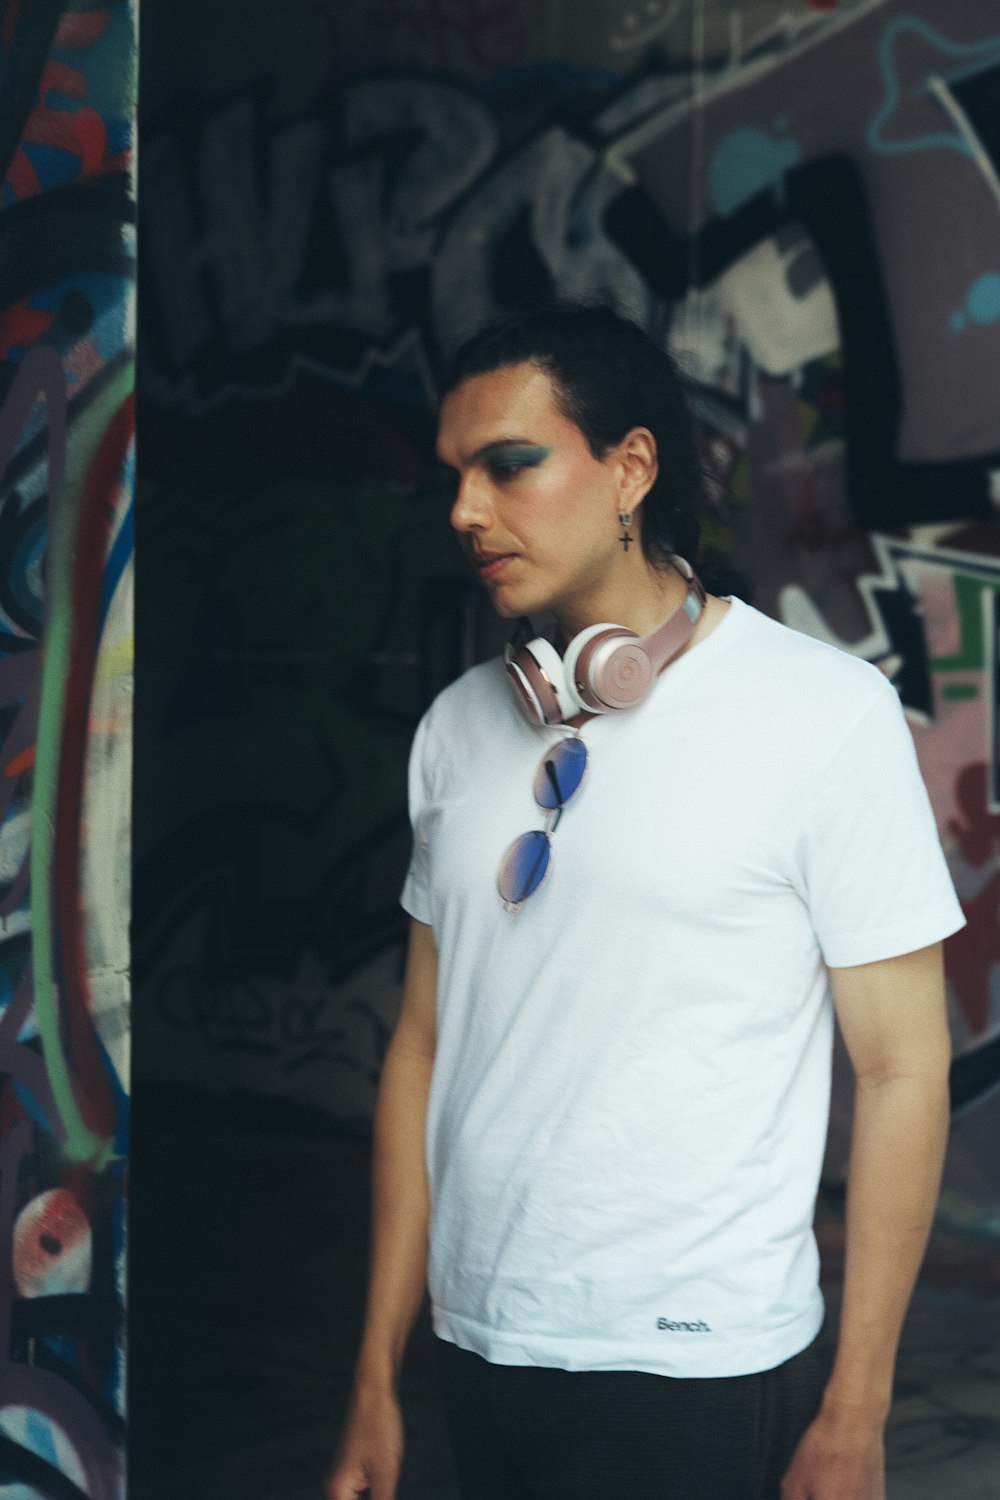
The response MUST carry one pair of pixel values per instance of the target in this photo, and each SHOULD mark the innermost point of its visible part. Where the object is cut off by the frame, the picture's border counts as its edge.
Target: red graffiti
(970, 954)
(12, 15)
(21, 326)
(977, 830)
(81, 132)
(82, 29)
(20, 763)
(60, 78)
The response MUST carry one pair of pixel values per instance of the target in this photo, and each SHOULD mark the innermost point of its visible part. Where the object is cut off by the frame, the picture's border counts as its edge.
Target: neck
(639, 599)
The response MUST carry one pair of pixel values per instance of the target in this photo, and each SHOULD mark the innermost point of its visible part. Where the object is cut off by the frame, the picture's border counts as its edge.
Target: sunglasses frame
(552, 817)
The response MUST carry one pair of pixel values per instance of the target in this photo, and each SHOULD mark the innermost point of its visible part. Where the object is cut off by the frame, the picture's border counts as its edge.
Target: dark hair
(607, 377)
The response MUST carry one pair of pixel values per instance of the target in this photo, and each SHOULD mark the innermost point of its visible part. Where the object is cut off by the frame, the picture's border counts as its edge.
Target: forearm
(899, 1132)
(400, 1214)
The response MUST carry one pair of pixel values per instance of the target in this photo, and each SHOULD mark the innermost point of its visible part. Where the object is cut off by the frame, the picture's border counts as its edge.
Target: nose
(472, 509)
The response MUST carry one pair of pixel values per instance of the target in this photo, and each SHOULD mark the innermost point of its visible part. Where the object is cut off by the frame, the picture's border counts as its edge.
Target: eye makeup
(506, 459)
(503, 459)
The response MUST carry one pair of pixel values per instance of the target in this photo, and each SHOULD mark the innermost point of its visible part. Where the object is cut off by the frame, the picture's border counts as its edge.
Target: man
(605, 1098)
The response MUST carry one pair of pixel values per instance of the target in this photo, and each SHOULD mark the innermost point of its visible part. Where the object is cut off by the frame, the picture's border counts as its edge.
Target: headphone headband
(664, 643)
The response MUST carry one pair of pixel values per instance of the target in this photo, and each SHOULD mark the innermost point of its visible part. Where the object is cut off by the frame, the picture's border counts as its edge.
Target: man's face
(536, 513)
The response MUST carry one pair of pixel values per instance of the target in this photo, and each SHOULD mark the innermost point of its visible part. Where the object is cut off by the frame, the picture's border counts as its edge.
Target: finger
(383, 1485)
(346, 1484)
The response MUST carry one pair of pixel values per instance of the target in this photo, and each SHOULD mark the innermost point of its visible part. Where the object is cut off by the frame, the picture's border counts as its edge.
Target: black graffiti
(53, 237)
(353, 257)
(234, 1014)
(975, 1075)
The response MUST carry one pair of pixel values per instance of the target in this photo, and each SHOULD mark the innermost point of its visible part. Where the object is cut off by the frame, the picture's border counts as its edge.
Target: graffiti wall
(67, 109)
(801, 200)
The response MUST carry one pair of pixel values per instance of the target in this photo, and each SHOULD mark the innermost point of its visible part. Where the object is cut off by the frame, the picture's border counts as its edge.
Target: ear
(637, 467)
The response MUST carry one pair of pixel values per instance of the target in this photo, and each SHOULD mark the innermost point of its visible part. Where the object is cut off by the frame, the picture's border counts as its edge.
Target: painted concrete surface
(248, 1262)
(943, 1439)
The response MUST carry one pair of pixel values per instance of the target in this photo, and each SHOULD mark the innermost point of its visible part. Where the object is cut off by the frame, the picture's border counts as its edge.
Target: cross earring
(626, 538)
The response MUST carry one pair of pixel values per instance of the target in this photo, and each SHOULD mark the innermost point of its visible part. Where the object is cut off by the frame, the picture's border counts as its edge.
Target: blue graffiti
(978, 56)
(982, 305)
(746, 162)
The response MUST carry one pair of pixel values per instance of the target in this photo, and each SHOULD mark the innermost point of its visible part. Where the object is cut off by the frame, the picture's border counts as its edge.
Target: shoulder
(480, 687)
(804, 669)
(479, 702)
(471, 727)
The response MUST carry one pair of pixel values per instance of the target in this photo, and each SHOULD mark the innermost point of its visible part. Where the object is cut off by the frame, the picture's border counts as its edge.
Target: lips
(490, 565)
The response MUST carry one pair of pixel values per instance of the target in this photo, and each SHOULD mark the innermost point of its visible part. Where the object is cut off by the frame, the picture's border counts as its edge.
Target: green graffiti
(81, 1144)
(970, 656)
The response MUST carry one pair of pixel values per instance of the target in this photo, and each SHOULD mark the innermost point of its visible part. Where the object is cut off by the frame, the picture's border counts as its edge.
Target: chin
(508, 609)
(507, 602)
(514, 598)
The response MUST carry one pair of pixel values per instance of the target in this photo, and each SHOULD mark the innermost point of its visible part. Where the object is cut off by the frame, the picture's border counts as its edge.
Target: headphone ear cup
(606, 668)
(538, 678)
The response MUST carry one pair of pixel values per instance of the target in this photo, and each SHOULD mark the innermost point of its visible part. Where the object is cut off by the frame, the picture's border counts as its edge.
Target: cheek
(571, 493)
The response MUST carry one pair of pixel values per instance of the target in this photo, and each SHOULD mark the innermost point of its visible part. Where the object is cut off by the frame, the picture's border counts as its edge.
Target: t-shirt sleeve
(873, 872)
(415, 897)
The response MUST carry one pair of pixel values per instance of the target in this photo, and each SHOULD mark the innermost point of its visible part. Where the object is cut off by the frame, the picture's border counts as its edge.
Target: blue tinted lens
(523, 867)
(560, 773)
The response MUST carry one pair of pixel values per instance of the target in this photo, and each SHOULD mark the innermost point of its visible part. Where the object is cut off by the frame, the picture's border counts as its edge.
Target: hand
(840, 1457)
(370, 1454)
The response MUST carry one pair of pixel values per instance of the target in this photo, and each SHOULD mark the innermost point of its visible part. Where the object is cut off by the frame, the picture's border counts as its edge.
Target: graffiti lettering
(420, 183)
(239, 1016)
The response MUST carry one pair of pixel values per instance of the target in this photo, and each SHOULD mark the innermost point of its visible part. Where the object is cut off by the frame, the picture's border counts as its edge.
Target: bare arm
(371, 1448)
(892, 1015)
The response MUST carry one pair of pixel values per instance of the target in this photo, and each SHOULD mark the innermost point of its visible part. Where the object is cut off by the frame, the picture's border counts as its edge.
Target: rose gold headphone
(604, 667)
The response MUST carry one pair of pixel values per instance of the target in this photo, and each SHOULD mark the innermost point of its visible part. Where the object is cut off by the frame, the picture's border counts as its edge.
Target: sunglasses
(526, 862)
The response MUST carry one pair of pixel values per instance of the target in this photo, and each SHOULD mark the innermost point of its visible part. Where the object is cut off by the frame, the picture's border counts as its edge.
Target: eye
(508, 460)
(507, 468)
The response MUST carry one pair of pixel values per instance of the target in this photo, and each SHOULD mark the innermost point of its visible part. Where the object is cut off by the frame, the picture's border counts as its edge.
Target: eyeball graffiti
(52, 1246)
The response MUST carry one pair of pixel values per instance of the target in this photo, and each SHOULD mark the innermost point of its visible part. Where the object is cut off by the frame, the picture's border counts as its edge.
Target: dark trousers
(525, 1433)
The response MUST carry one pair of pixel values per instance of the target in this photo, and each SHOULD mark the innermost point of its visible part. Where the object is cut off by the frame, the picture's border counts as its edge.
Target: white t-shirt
(630, 1092)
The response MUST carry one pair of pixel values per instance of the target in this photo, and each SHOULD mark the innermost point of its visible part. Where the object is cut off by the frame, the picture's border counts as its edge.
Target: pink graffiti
(486, 33)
